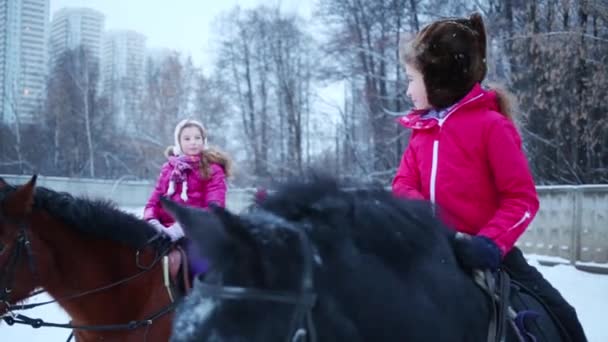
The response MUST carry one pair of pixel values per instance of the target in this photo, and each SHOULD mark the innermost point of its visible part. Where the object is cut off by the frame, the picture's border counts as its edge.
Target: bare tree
(556, 53)
(167, 91)
(80, 73)
(363, 38)
(72, 110)
(292, 66)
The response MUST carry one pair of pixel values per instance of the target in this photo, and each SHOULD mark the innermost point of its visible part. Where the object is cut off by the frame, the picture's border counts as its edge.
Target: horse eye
(2, 247)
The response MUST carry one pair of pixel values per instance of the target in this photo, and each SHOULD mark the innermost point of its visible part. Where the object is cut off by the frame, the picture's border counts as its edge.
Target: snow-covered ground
(587, 292)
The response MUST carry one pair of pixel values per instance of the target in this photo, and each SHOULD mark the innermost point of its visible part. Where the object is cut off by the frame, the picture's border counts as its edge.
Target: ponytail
(170, 152)
(213, 155)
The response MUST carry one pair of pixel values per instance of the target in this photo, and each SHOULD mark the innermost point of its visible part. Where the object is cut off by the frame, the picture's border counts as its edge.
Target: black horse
(316, 262)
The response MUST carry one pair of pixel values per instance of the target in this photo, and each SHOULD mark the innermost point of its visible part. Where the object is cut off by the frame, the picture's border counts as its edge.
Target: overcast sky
(183, 25)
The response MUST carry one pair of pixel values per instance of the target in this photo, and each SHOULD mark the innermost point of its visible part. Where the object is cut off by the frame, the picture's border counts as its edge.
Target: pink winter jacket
(471, 164)
(201, 192)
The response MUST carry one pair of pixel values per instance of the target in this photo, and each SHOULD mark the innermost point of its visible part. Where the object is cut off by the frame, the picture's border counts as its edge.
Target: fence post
(577, 223)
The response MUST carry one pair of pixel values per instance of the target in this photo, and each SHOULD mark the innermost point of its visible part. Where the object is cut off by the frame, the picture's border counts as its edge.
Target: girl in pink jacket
(194, 175)
(465, 155)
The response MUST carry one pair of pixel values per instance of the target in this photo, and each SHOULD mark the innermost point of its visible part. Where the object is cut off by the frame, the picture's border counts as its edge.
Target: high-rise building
(76, 26)
(122, 70)
(23, 58)
(123, 57)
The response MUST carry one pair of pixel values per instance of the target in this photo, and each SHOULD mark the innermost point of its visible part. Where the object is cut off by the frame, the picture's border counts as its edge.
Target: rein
(302, 327)
(497, 287)
(144, 269)
(13, 318)
(22, 245)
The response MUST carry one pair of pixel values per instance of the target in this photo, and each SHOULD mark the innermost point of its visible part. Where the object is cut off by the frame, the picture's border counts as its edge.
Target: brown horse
(101, 265)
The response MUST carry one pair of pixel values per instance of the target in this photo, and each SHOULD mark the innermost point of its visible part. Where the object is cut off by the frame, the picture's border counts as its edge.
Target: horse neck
(81, 264)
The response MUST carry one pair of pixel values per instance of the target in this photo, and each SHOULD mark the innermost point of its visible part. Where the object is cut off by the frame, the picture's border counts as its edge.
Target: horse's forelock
(195, 311)
(270, 228)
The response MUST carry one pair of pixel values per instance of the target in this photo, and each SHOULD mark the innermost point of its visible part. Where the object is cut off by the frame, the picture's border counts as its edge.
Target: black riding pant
(519, 269)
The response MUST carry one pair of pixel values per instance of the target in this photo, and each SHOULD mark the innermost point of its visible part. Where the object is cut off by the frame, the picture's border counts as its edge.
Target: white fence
(572, 223)
(126, 193)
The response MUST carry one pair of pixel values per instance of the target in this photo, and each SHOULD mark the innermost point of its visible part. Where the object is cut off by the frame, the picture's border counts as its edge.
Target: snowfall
(587, 292)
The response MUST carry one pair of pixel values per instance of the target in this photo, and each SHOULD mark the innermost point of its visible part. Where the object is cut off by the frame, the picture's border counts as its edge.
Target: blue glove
(476, 252)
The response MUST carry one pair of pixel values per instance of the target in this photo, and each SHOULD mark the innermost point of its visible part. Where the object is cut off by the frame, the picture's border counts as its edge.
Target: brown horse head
(100, 264)
(15, 243)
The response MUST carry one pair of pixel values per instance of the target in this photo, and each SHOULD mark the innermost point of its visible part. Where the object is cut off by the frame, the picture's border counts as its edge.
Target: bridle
(22, 246)
(301, 327)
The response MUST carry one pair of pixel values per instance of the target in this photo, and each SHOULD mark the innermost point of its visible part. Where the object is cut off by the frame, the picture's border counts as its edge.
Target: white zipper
(526, 216)
(441, 121)
(436, 147)
(434, 169)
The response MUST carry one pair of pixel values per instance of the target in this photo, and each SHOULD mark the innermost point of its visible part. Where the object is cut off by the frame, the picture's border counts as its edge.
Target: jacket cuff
(149, 214)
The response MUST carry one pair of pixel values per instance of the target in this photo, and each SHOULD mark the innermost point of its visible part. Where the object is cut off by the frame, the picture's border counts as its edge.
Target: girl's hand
(476, 252)
(175, 231)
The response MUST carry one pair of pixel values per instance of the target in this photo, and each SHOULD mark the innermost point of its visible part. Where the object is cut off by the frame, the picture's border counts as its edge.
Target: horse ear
(21, 201)
(3, 183)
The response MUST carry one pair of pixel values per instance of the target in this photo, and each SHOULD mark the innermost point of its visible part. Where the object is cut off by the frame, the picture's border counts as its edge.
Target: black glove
(476, 252)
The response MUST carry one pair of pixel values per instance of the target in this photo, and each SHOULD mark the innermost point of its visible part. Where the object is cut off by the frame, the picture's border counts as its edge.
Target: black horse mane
(373, 210)
(95, 217)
